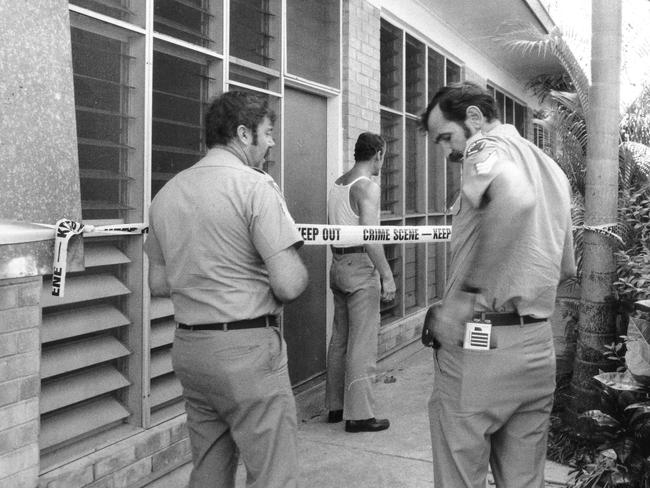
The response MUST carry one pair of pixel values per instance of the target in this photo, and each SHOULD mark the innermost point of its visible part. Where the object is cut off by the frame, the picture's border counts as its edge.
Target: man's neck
(238, 151)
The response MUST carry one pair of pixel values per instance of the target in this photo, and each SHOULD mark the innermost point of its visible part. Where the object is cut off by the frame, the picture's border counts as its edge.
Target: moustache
(455, 156)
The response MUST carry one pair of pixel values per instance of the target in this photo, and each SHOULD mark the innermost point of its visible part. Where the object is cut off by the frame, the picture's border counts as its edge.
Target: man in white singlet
(359, 278)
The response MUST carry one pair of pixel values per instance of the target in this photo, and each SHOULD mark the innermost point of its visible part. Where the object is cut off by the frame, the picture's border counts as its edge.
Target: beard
(455, 156)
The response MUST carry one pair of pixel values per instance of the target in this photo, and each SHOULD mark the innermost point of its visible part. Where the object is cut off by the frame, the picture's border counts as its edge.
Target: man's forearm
(158, 284)
(378, 258)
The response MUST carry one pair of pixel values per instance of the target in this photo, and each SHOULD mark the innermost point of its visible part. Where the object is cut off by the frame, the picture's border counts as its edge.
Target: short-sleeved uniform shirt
(527, 277)
(213, 225)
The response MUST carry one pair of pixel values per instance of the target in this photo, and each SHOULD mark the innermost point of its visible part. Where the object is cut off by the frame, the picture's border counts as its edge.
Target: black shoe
(335, 416)
(366, 425)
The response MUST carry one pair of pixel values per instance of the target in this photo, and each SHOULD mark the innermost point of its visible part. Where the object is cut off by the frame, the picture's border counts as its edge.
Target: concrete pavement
(399, 457)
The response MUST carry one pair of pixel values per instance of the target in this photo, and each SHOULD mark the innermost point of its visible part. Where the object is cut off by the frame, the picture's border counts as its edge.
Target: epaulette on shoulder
(483, 144)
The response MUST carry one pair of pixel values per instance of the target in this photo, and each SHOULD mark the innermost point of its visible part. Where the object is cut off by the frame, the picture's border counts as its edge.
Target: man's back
(216, 222)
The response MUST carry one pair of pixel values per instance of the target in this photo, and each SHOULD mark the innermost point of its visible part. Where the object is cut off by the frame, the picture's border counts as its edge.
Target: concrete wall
(40, 183)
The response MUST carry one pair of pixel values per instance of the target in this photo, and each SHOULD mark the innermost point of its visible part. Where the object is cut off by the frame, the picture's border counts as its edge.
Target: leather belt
(256, 323)
(508, 318)
(348, 250)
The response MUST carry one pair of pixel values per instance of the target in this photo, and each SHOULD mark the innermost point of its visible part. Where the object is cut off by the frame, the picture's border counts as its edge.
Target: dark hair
(232, 109)
(368, 144)
(454, 99)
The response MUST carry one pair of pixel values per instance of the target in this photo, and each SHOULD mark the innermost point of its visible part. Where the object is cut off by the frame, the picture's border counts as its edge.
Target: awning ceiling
(481, 21)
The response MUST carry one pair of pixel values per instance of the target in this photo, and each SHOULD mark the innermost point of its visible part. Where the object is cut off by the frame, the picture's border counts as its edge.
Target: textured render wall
(361, 73)
(38, 143)
(20, 319)
(39, 183)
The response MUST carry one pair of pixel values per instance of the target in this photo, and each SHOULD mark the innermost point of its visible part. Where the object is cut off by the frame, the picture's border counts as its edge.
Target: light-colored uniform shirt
(526, 280)
(213, 225)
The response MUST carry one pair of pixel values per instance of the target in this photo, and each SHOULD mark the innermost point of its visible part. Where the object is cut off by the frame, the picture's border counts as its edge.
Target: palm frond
(527, 40)
(542, 85)
(634, 165)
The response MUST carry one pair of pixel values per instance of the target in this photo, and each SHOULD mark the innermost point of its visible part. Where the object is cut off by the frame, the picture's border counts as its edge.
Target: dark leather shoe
(335, 416)
(366, 425)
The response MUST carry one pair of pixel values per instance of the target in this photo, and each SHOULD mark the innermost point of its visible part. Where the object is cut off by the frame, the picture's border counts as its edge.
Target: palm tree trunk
(597, 324)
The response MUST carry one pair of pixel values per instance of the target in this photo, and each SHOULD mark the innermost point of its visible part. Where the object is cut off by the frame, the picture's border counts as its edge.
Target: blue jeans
(352, 353)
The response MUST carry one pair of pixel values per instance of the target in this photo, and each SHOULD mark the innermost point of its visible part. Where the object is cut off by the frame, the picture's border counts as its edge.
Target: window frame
(141, 309)
(417, 209)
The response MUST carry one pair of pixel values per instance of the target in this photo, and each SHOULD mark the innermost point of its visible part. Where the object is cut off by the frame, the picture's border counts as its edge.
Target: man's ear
(474, 117)
(242, 133)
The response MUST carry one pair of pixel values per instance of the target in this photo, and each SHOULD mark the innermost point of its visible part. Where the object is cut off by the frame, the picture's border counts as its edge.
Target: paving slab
(399, 457)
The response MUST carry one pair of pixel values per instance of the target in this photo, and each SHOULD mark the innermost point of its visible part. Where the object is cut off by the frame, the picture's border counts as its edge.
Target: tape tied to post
(606, 230)
(65, 229)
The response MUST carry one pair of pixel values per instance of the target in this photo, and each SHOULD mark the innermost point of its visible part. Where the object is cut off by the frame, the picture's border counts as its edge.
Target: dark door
(305, 189)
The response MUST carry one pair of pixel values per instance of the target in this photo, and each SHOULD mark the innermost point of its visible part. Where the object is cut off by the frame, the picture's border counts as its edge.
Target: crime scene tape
(354, 235)
(317, 234)
(13, 232)
(65, 229)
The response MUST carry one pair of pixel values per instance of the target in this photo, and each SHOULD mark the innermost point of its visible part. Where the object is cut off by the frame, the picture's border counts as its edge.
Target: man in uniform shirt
(223, 245)
(511, 247)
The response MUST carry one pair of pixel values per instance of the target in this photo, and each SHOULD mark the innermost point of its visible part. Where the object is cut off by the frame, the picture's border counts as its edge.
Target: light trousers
(352, 352)
(239, 401)
(492, 407)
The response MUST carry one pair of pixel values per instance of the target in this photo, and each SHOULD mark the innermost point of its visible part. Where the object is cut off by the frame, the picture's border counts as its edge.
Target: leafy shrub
(620, 432)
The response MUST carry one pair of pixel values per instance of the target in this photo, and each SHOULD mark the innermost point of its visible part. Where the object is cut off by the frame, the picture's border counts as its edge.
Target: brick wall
(20, 318)
(361, 74)
(133, 462)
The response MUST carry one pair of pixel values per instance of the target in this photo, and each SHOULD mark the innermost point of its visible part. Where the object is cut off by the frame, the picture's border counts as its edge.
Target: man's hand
(388, 289)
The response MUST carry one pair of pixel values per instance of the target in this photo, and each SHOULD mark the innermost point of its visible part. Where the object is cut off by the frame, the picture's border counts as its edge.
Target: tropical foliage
(609, 447)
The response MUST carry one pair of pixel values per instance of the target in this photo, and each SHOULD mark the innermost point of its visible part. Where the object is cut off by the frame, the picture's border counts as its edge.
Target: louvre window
(436, 262)
(141, 91)
(521, 119)
(541, 137)
(415, 76)
(414, 272)
(391, 66)
(188, 20)
(453, 72)
(415, 168)
(510, 111)
(391, 129)
(181, 82)
(436, 72)
(126, 10)
(87, 374)
(102, 93)
(501, 101)
(313, 40)
(392, 309)
(254, 31)
(418, 184)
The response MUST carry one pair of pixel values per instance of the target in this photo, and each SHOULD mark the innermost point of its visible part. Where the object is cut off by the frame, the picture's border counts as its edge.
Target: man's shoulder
(481, 146)
(482, 154)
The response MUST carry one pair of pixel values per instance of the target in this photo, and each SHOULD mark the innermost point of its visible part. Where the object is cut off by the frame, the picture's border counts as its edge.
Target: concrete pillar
(40, 183)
